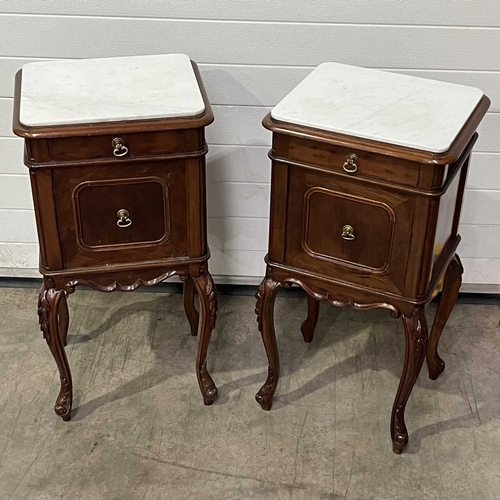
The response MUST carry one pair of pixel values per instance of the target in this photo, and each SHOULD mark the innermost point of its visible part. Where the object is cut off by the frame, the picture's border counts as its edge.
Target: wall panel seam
(245, 21)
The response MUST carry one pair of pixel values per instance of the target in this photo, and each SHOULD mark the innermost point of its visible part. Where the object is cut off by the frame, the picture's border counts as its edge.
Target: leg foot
(309, 325)
(451, 287)
(208, 310)
(415, 327)
(266, 296)
(189, 307)
(52, 312)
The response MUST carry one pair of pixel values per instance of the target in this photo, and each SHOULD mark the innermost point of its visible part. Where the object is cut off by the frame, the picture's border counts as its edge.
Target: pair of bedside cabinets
(368, 175)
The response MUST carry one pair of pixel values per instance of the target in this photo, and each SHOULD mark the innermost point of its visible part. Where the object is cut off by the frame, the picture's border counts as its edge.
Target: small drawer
(354, 163)
(122, 146)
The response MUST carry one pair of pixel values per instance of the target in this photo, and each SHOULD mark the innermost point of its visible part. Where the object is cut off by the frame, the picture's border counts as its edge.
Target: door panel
(373, 254)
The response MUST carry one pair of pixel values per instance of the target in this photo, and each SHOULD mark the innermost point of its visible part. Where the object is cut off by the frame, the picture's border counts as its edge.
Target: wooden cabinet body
(118, 215)
(404, 212)
(368, 225)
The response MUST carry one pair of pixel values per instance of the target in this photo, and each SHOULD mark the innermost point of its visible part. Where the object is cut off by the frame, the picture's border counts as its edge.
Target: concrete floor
(140, 430)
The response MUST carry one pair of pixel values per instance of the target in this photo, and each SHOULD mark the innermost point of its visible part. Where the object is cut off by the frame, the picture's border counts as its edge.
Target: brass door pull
(351, 163)
(123, 218)
(119, 148)
(348, 233)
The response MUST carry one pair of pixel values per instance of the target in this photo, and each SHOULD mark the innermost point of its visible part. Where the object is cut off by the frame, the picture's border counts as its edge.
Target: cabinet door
(122, 213)
(119, 213)
(348, 230)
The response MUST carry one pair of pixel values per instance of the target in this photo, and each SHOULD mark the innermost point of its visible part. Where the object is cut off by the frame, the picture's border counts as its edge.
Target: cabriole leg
(451, 287)
(189, 307)
(309, 325)
(264, 309)
(415, 327)
(53, 316)
(208, 310)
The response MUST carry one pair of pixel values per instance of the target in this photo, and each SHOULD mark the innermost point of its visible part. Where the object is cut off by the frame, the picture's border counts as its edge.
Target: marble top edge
(89, 91)
(382, 106)
(98, 60)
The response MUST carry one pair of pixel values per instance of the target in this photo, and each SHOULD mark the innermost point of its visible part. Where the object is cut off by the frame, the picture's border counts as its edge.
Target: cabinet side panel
(277, 222)
(196, 204)
(417, 250)
(446, 216)
(46, 219)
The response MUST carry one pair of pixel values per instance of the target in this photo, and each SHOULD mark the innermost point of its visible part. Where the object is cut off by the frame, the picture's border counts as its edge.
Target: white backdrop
(251, 54)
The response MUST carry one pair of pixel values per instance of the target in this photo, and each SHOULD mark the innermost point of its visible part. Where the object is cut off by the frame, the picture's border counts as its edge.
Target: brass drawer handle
(123, 218)
(348, 233)
(119, 148)
(351, 163)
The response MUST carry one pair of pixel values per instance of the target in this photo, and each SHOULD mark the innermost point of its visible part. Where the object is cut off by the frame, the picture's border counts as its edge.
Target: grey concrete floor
(140, 430)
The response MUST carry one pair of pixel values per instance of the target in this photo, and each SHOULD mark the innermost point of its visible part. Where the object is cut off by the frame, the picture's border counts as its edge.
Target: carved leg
(64, 319)
(265, 318)
(53, 315)
(208, 310)
(451, 287)
(309, 325)
(415, 327)
(191, 312)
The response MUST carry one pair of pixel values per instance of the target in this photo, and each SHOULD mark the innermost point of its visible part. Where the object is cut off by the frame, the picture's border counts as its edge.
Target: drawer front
(354, 163)
(124, 146)
(143, 216)
(341, 228)
(348, 230)
(121, 213)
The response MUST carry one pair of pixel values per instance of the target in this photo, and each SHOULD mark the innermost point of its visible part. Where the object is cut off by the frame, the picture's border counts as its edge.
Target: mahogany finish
(403, 208)
(79, 186)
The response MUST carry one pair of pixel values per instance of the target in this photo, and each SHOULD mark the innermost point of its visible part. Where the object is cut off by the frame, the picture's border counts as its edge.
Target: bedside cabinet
(368, 175)
(116, 153)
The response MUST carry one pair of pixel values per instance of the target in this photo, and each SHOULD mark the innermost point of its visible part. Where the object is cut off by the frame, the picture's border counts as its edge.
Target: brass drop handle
(119, 148)
(348, 233)
(123, 218)
(351, 163)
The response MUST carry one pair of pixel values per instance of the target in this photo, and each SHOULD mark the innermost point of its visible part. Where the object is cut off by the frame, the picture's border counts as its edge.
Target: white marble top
(112, 89)
(382, 106)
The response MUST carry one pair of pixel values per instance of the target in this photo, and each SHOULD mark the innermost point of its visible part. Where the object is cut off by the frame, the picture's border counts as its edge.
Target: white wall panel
(429, 12)
(480, 239)
(482, 272)
(224, 163)
(11, 156)
(19, 255)
(238, 263)
(251, 164)
(242, 125)
(297, 44)
(248, 85)
(238, 233)
(481, 207)
(238, 200)
(15, 191)
(484, 171)
(238, 164)
(234, 266)
(6, 107)
(17, 226)
(251, 54)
